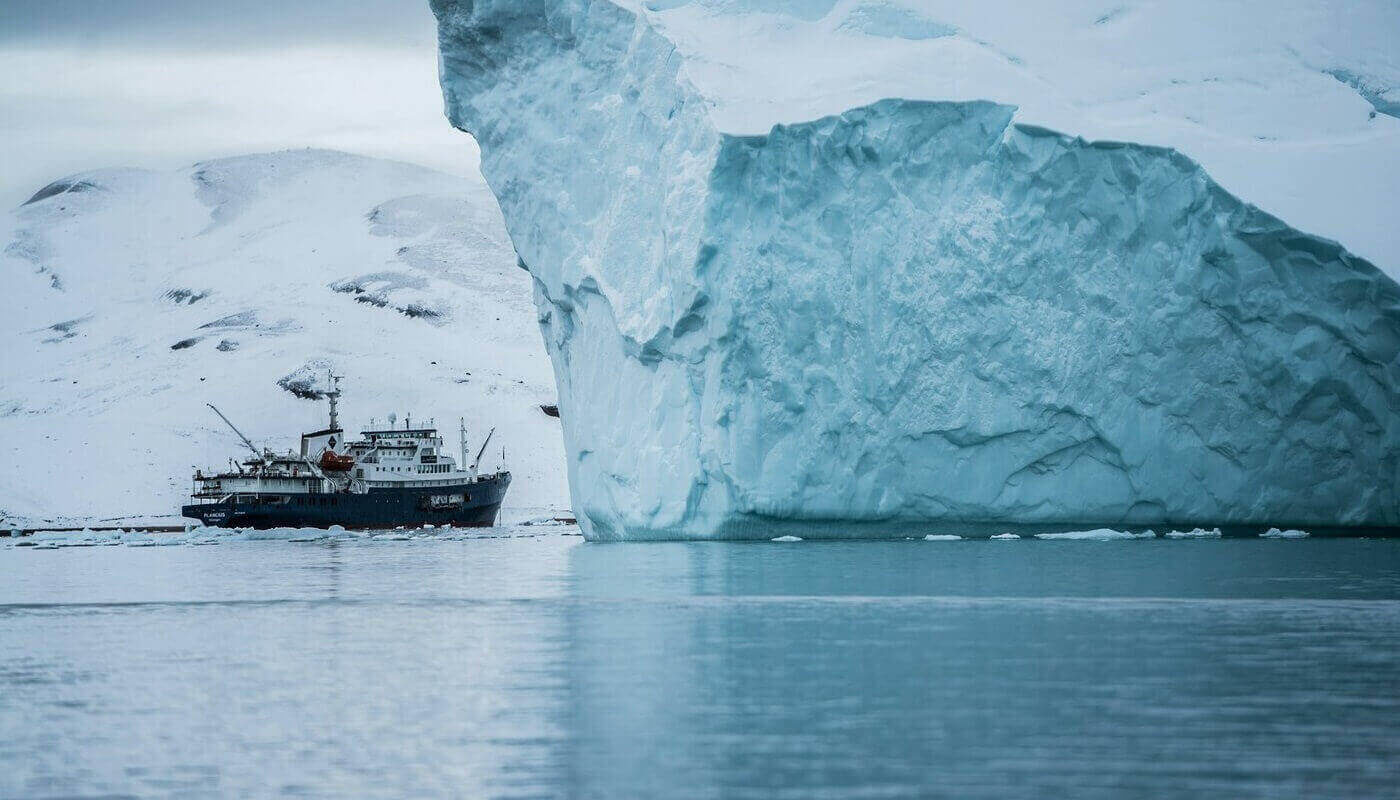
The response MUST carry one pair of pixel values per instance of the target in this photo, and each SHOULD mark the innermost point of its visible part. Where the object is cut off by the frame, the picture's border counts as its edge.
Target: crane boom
(483, 448)
(256, 454)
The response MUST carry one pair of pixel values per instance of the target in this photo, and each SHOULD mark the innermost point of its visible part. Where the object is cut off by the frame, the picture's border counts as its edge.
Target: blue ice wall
(913, 315)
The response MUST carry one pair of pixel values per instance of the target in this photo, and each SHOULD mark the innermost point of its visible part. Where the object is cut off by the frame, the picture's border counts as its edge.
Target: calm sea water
(541, 666)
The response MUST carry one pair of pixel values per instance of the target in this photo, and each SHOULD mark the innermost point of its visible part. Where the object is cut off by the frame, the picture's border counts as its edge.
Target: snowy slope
(137, 296)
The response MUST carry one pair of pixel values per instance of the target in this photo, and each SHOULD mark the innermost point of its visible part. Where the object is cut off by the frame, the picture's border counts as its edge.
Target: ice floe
(1097, 535)
(1275, 533)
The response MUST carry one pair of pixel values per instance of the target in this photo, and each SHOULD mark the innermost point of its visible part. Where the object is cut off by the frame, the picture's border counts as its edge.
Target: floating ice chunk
(1097, 535)
(1197, 533)
(788, 539)
(942, 537)
(1275, 533)
(282, 534)
(1006, 536)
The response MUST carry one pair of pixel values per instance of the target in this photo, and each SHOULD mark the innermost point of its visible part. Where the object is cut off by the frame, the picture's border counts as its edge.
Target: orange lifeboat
(334, 462)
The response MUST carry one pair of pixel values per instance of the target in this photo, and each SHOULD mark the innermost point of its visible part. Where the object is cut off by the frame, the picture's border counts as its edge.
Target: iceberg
(908, 311)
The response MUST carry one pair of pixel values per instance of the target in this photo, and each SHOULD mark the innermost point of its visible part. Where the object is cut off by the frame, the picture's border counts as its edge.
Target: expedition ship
(391, 477)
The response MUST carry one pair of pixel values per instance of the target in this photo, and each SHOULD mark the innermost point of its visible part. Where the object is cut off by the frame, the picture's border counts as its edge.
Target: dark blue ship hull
(463, 505)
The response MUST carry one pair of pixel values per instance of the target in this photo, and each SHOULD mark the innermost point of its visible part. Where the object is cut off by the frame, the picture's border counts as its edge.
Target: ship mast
(333, 396)
(462, 438)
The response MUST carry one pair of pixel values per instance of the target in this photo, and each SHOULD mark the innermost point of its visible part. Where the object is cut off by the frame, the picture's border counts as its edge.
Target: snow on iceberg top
(1290, 106)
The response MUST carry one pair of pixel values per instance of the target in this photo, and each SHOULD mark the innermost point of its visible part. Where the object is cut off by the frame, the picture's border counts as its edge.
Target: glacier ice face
(911, 311)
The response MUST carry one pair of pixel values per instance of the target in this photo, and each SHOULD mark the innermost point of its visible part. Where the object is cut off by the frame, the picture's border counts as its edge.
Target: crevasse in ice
(911, 312)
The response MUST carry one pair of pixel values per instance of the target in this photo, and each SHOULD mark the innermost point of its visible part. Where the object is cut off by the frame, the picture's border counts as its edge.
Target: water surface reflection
(539, 666)
(1228, 668)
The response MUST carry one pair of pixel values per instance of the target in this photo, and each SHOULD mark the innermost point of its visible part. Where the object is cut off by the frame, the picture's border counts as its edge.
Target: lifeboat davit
(334, 462)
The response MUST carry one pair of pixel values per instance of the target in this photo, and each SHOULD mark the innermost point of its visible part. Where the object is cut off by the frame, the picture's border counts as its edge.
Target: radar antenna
(256, 454)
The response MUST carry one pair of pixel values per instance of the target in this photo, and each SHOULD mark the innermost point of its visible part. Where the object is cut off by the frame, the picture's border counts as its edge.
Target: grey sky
(162, 83)
(193, 23)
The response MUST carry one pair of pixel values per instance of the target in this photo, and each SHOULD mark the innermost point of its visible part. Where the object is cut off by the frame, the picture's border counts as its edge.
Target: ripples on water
(539, 666)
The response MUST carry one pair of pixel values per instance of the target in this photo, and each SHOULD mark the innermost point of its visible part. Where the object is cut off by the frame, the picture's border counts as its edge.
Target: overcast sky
(164, 83)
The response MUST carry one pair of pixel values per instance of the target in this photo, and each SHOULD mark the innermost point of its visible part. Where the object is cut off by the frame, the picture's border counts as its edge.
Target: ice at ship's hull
(911, 315)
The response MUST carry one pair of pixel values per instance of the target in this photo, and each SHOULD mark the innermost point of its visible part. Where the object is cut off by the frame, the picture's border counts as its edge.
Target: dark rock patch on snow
(185, 343)
(376, 288)
(372, 300)
(186, 296)
(380, 282)
(309, 381)
(415, 311)
(301, 389)
(62, 187)
(1111, 16)
(243, 319)
(65, 330)
(249, 321)
(28, 246)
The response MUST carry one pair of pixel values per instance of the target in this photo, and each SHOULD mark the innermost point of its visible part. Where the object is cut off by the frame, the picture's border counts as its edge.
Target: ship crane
(259, 456)
(477, 461)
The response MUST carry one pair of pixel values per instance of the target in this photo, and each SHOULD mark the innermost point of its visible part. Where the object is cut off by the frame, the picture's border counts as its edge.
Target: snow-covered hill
(135, 297)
